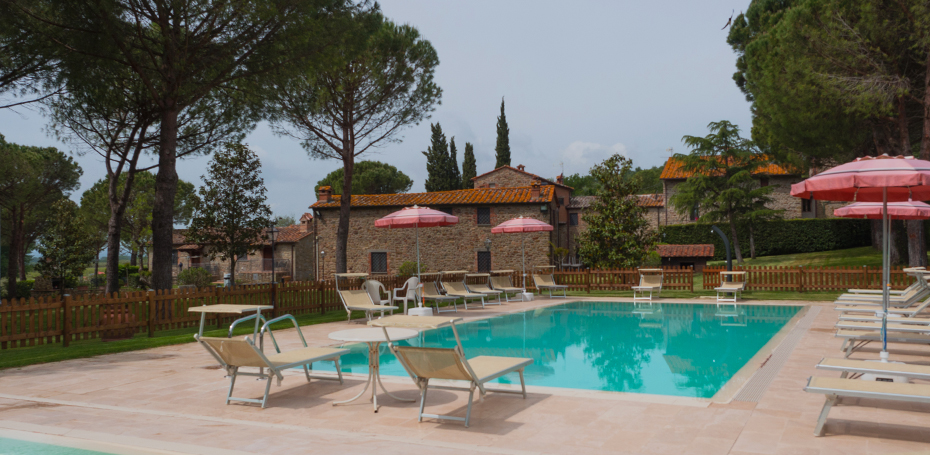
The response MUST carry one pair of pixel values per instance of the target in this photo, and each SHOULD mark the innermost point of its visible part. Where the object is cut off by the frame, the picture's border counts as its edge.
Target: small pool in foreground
(19, 447)
(665, 349)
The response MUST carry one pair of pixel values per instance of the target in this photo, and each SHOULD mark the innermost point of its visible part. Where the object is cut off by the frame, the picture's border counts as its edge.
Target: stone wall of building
(304, 259)
(781, 200)
(441, 248)
(504, 178)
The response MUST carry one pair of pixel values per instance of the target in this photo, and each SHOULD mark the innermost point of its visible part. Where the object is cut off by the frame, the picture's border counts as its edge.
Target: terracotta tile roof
(685, 251)
(513, 195)
(289, 234)
(645, 200)
(581, 202)
(674, 170)
(286, 234)
(544, 180)
(652, 200)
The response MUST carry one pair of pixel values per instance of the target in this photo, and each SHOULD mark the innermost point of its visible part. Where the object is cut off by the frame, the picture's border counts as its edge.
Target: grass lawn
(852, 257)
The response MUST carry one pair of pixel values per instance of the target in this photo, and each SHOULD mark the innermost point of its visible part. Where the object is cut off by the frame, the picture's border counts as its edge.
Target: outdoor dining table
(225, 308)
(374, 337)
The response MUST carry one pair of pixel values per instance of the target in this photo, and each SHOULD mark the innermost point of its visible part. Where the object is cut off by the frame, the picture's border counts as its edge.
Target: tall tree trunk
(895, 252)
(232, 271)
(876, 234)
(903, 131)
(752, 243)
(12, 260)
(166, 185)
(925, 137)
(916, 244)
(96, 269)
(345, 205)
(21, 245)
(113, 231)
(133, 254)
(735, 240)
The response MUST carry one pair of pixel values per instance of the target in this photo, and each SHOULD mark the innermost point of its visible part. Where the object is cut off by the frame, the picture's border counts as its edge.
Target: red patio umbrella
(521, 225)
(416, 217)
(910, 210)
(872, 179)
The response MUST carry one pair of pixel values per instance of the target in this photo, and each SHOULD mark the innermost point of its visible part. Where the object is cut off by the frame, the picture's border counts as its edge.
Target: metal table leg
(374, 378)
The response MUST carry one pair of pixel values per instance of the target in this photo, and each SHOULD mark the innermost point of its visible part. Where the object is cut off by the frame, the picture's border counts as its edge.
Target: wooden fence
(46, 320)
(802, 279)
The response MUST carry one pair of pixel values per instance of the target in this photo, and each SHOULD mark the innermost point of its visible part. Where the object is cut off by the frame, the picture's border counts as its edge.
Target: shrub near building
(779, 236)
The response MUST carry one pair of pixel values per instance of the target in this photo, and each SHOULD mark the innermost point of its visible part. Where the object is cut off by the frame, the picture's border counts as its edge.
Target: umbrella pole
(523, 252)
(886, 273)
(416, 229)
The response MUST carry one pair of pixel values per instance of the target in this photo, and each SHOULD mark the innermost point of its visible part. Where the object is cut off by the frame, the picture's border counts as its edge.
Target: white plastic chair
(410, 292)
(375, 288)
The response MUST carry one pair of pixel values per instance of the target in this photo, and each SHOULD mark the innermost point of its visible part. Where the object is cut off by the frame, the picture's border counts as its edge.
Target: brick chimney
(521, 167)
(324, 194)
(534, 189)
(306, 225)
(559, 179)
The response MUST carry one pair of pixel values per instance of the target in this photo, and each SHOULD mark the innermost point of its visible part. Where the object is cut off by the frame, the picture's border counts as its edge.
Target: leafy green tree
(649, 181)
(27, 61)
(469, 166)
(502, 149)
(32, 179)
(455, 176)
(618, 234)
(188, 52)
(66, 246)
(381, 81)
(721, 185)
(371, 177)
(285, 220)
(583, 185)
(233, 209)
(439, 163)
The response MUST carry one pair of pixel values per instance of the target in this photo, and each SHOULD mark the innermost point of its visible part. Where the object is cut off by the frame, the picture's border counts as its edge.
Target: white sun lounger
(431, 294)
(838, 388)
(734, 287)
(547, 282)
(458, 290)
(908, 312)
(913, 271)
(360, 300)
(912, 296)
(233, 354)
(857, 368)
(650, 280)
(854, 340)
(483, 288)
(504, 284)
(425, 364)
(913, 326)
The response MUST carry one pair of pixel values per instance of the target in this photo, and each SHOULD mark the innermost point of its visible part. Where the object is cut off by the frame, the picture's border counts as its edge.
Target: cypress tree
(437, 159)
(455, 177)
(469, 168)
(503, 140)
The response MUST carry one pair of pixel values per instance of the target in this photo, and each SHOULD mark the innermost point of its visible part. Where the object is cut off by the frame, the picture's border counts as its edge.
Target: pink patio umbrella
(416, 217)
(910, 210)
(521, 225)
(872, 179)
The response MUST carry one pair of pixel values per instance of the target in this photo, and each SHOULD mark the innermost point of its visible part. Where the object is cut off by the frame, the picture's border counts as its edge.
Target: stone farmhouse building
(293, 255)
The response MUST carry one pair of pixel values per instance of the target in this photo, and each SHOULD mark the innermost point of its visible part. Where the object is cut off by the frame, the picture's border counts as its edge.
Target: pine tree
(469, 168)
(67, 244)
(437, 158)
(503, 140)
(233, 211)
(455, 177)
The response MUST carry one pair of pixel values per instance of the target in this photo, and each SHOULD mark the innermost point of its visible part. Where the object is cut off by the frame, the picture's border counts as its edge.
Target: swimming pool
(10, 446)
(688, 350)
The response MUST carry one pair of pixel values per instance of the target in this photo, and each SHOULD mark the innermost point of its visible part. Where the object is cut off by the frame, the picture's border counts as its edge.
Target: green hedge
(776, 237)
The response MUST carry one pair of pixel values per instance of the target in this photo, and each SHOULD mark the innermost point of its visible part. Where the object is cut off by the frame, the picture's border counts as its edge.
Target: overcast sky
(582, 80)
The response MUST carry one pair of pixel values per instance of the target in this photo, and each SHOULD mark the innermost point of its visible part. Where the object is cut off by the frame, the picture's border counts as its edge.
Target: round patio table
(374, 337)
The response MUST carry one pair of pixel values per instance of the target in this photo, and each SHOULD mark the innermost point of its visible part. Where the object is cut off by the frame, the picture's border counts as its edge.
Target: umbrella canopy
(896, 210)
(415, 216)
(864, 179)
(881, 179)
(522, 225)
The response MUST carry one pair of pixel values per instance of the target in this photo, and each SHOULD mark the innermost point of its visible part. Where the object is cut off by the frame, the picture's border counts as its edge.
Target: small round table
(374, 337)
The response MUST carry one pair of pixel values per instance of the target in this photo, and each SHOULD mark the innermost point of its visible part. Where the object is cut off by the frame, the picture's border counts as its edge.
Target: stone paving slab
(171, 399)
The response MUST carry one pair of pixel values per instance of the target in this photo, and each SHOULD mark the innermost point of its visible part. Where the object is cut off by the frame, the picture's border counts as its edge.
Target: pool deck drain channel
(759, 382)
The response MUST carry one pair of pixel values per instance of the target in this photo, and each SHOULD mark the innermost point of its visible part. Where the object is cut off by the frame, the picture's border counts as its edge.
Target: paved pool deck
(171, 400)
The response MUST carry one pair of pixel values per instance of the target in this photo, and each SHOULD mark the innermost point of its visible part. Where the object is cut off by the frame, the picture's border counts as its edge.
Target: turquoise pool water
(665, 349)
(20, 447)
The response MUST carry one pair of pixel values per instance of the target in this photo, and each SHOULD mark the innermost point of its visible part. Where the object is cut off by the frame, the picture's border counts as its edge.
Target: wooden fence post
(66, 321)
(800, 278)
(587, 279)
(152, 312)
